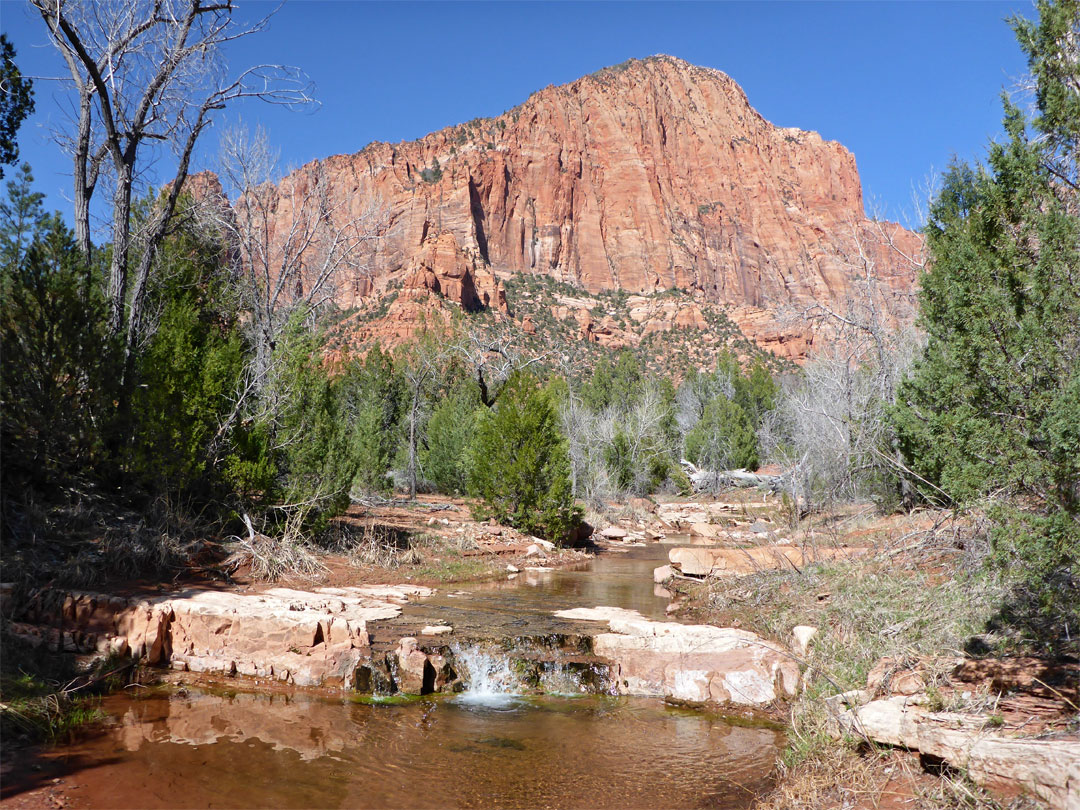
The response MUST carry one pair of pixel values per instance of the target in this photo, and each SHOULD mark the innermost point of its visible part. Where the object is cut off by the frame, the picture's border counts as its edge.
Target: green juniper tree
(992, 408)
(519, 468)
(16, 103)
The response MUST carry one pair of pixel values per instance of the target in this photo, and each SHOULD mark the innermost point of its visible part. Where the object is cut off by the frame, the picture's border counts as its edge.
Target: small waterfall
(581, 679)
(496, 676)
(489, 677)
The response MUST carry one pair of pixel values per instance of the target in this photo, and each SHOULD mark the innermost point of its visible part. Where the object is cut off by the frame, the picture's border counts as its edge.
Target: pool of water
(195, 748)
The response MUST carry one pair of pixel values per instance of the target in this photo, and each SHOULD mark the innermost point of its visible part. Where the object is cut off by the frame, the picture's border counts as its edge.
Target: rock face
(698, 663)
(648, 176)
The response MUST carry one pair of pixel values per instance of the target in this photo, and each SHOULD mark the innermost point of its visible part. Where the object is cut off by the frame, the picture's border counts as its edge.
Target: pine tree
(16, 103)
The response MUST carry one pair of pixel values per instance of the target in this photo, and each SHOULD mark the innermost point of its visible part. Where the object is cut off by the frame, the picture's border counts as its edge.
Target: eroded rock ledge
(693, 662)
(1007, 764)
(306, 638)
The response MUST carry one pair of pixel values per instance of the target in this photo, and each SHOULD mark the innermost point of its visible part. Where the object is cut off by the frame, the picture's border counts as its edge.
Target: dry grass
(922, 595)
(856, 777)
(288, 554)
(81, 539)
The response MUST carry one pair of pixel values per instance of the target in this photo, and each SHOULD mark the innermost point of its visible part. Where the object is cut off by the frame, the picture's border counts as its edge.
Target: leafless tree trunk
(290, 242)
(147, 71)
(831, 429)
(422, 362)
(492, 354)
(292, 239)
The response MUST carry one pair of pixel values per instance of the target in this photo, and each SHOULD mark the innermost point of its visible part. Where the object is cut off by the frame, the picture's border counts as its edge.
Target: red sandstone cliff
(651, 175)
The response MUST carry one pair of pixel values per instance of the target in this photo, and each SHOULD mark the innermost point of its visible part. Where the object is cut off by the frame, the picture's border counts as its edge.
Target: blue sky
(905, 86)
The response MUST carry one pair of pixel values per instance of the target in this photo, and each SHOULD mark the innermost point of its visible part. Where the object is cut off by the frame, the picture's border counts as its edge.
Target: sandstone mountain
(651, 176)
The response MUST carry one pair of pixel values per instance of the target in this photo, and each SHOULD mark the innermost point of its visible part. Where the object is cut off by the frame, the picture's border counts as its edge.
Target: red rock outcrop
(441, 266)
(651, 175)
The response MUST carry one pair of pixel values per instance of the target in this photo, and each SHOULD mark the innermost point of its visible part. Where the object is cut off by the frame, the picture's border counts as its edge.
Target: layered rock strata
(305, 638)
(696, 663)
(644, 177)
(1046, 768)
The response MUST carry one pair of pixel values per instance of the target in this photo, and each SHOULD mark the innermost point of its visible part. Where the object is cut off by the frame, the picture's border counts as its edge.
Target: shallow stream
(490, 746)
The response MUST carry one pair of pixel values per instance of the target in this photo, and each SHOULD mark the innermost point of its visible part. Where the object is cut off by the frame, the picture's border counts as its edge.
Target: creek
(508, 740)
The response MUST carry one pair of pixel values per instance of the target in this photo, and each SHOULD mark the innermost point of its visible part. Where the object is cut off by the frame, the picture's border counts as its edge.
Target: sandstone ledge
(696, 663)
(1046, 768)
(306, 638)
(705, 561)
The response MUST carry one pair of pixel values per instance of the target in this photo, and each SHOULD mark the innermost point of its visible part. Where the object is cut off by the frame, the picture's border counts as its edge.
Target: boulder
(802, 635)
(415, 675)
(662, 574)
(613, 533)
(708, 530)
(1046, 768)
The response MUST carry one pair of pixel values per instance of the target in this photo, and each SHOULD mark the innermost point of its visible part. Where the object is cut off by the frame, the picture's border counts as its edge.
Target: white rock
(690, 662)
(803, 634)
(662, 574)
(613, 533)
(513, 569)
(437, 630)
(1049, 769)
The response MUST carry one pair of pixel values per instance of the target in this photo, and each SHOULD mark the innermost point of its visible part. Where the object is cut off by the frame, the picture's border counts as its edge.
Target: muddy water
(248, 750)
(204, 747)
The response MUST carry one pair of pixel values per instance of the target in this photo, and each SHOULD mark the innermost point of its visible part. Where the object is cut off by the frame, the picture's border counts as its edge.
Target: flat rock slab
(698, 663)
(1046, 768)
(308, 638)
(704, 561)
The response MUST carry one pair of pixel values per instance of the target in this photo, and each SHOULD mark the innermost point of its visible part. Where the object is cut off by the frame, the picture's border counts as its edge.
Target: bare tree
(632, 435)
(290, 243)
(147, 72)
(293, 239)
(422, 362)
(831, 429)
(492, 354)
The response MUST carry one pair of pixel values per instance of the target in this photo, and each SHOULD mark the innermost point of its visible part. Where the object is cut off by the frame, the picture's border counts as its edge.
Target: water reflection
(525, 604)
(253, 750)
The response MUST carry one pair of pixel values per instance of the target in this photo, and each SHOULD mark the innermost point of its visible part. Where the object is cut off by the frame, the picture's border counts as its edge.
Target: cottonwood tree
(831, 429)
(421, 362)
(293, 239)
(147, 73)
(492, 354)
(291, 242)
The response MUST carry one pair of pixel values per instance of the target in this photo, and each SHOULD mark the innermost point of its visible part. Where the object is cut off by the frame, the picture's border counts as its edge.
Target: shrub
(724, 438)
(519, 467)
(188, 373)
(450, 429)
(59, 369)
